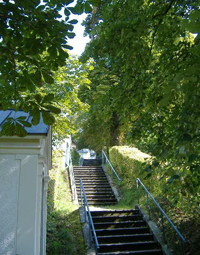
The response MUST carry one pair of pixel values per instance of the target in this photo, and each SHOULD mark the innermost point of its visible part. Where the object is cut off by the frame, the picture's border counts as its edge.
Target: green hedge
(128, 162)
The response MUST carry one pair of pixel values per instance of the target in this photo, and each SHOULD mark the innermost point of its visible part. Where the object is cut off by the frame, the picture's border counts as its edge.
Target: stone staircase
(119, 232)
(96, 185)
(124, 232)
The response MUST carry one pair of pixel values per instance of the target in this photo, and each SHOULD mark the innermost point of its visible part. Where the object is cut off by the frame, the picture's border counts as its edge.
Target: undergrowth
(64, 230)
(186, 221)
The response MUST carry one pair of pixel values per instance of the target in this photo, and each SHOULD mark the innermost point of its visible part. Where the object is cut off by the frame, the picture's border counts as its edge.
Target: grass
(64, 229)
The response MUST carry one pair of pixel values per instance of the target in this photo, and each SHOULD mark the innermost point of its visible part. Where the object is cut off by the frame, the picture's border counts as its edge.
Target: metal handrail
(72, 180)
(181, 238)
(108, 161)
(91, 224)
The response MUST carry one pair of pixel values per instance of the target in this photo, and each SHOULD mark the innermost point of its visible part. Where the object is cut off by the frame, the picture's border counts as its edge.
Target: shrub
(129, 163)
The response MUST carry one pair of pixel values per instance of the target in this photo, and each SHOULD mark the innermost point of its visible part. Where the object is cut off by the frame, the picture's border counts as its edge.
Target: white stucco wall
(24, 164)
(9, 186)
(27, 205)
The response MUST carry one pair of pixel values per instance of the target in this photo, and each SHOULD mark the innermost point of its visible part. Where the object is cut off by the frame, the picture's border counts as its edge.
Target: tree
(101, 125)
(33, 43)
(68, 80)
(151, 47)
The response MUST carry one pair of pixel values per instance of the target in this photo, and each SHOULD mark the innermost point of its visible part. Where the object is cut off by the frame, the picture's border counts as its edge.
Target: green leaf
(48, 118)
(20, 118)
(25, 123)
(195, 15)
(193, 27)
(30, 85)
(192, 157)
(20, 131)
(165, 100)
(71, 35)
(53, 109)
(67, 12)
(48, 98)
(8, 129)
(73, 21)
(88, 8)
(38, 98)
(38, 78)
(48, 77)
(78, 9)
(174, 177)
(67, 2)
(67, 47)
(52, 51)
(35, 113)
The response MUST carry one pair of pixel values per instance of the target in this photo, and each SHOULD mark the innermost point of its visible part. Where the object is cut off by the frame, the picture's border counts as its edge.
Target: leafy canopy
(33, 45)
(153, 50)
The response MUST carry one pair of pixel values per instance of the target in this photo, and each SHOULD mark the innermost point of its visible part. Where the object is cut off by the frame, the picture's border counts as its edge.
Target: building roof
(39, 129)
(84, 150)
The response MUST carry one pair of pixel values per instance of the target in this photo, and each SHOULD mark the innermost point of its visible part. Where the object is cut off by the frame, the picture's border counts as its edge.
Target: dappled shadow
(64, 233)
(51, 195)
(64, 229)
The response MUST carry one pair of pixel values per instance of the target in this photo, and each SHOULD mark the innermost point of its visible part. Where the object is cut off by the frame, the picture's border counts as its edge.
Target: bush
(129, 163)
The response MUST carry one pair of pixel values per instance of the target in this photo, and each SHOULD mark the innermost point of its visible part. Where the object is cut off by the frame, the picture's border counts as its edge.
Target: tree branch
(159, 22)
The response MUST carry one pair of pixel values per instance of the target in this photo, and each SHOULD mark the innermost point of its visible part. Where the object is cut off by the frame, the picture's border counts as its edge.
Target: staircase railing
(105, 160)
(88, 216)
(72, 180)
(182, 240)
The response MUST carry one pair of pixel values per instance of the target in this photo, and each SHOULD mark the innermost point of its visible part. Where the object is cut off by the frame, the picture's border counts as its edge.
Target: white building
(87, 154)
(24, 166)
(84, 153)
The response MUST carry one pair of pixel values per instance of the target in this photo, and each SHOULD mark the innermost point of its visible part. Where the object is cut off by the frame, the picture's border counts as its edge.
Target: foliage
(75, 157)
(68, 80)
(152, 49)
(101, 126)
(64, 233)
(128, 164)
(33, 44)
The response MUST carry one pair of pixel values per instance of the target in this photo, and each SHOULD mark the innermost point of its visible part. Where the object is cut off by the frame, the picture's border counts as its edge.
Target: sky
(78, 42)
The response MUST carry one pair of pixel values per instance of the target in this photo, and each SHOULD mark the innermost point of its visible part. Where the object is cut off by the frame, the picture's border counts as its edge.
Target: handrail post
(81, 195)
(148, 204)
(138, 199)
(85, 210)
(163, 227)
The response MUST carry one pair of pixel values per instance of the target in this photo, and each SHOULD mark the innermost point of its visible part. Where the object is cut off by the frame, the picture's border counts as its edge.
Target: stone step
(125, 238)
(117, 218)
(133, 246)
(124, 224)
(147, 252)
(115, 212)
(123, 231)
